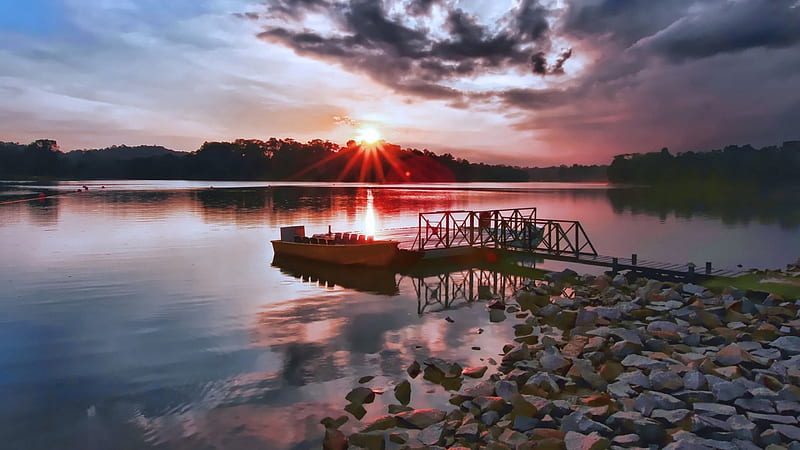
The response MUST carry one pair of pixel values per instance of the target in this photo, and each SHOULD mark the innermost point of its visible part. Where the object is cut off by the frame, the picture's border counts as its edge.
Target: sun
(368, 135)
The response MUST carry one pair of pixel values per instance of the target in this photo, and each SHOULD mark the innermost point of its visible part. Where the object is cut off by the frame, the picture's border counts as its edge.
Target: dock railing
(514, 229)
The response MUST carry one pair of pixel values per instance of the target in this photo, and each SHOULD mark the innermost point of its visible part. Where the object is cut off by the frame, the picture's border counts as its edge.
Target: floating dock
(454, 233)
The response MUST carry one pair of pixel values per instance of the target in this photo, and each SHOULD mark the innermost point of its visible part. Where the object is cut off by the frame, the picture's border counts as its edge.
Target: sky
(526, 82)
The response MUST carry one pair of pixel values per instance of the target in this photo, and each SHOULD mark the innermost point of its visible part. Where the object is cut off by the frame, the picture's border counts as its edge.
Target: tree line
(252, 159)
(319, 160)
(734, 164)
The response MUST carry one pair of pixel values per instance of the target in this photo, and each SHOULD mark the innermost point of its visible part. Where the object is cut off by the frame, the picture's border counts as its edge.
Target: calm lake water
(149, 315)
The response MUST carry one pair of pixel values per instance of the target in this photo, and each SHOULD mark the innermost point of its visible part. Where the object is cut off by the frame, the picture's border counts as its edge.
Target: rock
(420, 418)
(578, 422)
(396, 409)
(490, 418)
(771, 418)
(742, 428)
(648, 401)
(334, 440)
(431, 435)
(497, 315)
(731, 355)
(693, 289)
(641, 362)
(469, 432)
(413, 370)
(755, 405)
(381, 423)
(714, 409)
(694, 380)
(402, 392)
(625, 439)
(586, 318)
(789, 431)
(370, 441)
(507, 390)
(578, 441)
(770, 437)
(662, 325)
(664, 380)
(552, 360)
(474, 372)
(520, 352)
(524, 423)
(670, 416)
(366, 379)
(360, 395)
(726, 391)
(588, 374)
(787, 344)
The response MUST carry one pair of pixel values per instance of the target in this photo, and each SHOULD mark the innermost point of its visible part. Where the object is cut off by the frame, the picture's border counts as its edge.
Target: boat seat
(337, 236)
(353, 238)
(370, 238)
(362, 238)
(298, 239)
(305, 240)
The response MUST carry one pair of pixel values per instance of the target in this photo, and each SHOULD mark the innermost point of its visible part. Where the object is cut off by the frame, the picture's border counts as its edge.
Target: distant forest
(274, 159)
(773, 165)
(318, 160)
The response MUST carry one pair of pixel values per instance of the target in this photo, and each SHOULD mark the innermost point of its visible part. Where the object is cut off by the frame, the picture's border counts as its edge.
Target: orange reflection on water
(370, 220)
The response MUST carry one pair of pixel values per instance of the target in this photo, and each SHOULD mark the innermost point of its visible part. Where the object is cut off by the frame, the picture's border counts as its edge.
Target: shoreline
(621, 363)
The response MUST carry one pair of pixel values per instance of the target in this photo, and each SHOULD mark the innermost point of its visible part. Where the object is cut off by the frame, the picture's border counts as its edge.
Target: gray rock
(641, 362)
(524, 423)
(670, 416)
(648, 401)
(490, 418)
(665, 380)
(789, 431)
(786, 406)
(787, 344)
(507, 390)
(694, 380)
(726, 391)
(578, 422)
(771, 418)
(714, 409)
(586, 318)
(755, 405)
(552, 360)
(730, 355)
(589, 375)
(620, 390)
(662, 325)
(636, 378)
(742, 428)
(770, 437)
(626, 439)
(431, 434)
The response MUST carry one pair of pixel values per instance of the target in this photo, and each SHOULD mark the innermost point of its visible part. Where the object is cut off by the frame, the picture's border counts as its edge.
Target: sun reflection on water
(370, 219)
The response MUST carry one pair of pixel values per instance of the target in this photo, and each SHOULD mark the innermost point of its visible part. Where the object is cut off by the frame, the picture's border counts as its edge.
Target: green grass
(752, 281)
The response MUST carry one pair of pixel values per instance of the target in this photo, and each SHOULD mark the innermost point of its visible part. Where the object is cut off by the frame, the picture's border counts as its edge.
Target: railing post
(614, 264)
(634, 257)
(708, 268)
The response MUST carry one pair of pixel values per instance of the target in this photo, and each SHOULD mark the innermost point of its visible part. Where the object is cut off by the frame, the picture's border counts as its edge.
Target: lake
(147, 314)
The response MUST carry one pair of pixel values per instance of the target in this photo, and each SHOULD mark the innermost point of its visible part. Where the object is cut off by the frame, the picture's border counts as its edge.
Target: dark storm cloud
(623, 21)
(729, 27)
(413, 60)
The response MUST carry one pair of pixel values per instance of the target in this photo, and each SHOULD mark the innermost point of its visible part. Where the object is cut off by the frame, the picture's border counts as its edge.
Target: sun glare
(368, 135)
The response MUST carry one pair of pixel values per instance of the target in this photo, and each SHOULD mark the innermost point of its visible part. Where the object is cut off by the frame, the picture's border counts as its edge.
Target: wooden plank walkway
(408, 239)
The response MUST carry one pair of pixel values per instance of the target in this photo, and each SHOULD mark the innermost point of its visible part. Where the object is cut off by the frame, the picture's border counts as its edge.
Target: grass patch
(786, 287)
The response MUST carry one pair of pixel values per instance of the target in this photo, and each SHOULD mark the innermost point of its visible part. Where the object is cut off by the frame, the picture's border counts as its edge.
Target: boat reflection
(373, 280)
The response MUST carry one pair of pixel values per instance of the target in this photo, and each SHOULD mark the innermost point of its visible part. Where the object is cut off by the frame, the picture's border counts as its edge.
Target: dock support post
(708, 268)
(634, 257)
(614, 264)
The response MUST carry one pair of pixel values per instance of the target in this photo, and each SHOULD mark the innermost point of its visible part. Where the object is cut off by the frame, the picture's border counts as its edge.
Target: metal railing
(515, 229)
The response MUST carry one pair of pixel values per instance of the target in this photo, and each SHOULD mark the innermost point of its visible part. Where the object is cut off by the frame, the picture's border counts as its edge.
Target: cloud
(412, 59)
(726, 28)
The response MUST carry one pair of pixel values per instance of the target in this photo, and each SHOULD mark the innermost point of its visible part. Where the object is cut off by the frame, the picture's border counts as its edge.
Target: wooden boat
(338, 248)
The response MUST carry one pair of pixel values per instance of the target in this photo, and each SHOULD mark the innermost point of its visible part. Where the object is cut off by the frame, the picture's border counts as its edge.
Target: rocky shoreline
(602, 362)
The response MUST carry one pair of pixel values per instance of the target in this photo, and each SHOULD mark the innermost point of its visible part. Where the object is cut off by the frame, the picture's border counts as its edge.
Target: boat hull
(375, 254)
